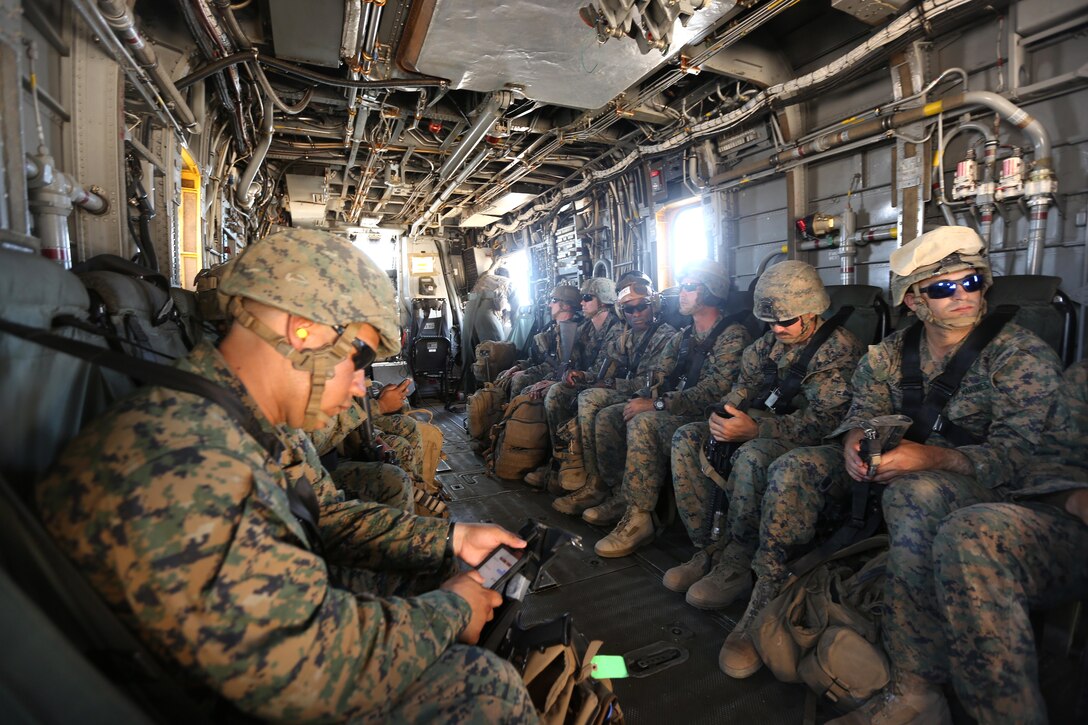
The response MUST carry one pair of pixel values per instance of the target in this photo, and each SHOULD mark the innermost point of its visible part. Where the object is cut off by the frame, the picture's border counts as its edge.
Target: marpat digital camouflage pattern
(821, 402)
(995, 563)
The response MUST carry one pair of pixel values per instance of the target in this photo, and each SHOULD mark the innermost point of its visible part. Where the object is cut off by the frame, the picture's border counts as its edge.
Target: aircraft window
(518, 265)
(684, 239)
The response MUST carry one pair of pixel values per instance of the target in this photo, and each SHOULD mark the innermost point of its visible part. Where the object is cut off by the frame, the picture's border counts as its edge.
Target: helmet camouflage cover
(567, 294)
(941, 251)
(318, 276)
(711, 274)
(603, 288)
(789, 289)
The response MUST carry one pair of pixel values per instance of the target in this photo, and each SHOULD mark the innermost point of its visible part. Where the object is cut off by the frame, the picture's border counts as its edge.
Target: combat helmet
(712, 275)
(789, 289)
(325, 279)
(568, 294)
(636, 287)
(937, 252)
(631, 277)
(602, 288)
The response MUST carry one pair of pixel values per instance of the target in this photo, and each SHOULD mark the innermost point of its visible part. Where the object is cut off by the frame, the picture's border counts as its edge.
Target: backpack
(823, 628)
(520, 441)
(432, 445)
(484, 408)
(492, 357)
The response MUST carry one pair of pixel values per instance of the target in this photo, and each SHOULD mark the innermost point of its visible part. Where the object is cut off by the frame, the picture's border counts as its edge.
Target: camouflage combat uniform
(617, 391)
(644, 465)
(995, 562)
(592, 351)
(822, 400)
(545, 350)
(1003, 398)
(386, 483)
(181, 521)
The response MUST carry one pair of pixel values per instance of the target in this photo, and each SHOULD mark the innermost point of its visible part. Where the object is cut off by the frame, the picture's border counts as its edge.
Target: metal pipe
(848, 251)
(470, 167)
(242, 193)
(488, 112)
(122, 23)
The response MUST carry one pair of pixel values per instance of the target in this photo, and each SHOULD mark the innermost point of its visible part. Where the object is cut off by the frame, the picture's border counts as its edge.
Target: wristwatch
(659, 404)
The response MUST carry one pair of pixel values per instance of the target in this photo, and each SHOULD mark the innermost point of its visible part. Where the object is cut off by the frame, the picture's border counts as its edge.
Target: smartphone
(500, 565)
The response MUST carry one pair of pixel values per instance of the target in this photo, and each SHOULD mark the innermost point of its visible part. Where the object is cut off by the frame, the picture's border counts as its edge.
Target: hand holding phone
(500, 565)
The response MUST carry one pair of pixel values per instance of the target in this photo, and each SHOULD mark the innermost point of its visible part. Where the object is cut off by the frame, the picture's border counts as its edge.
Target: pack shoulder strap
(779, 397)
(641, 349)
(696, 355)
(301, 497)
(927, 411)
(601, 338)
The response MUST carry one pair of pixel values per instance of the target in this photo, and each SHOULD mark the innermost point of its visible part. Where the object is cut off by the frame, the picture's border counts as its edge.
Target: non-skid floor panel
(461, 486)
(629, 609)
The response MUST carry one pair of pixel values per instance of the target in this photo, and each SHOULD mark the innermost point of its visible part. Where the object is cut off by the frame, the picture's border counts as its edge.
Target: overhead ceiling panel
(543, 46)
(308, 31)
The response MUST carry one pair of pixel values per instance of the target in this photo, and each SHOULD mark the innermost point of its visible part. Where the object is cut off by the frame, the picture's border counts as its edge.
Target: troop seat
(430, 351)
(1044, 309)
(871, 319)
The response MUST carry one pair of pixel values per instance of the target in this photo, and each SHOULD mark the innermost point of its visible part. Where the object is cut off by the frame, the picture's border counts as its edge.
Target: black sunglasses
(633, 309)
(364, 354)
(588, 298)
(553, 300)
(690, 286)
(785, 323)
(947, 287)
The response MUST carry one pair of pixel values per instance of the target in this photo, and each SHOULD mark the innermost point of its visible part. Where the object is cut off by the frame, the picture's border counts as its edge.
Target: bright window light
(518, 265)
(687, 237)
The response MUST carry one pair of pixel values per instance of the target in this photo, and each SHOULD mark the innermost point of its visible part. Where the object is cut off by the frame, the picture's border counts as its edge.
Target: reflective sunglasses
(785, 323)
(554, 300)
(690, 286)
(363, 354)
(633, 309)
(588, 298)
(947, 287)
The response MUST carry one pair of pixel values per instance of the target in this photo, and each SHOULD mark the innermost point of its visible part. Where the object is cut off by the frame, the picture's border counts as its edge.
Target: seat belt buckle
(769, 403)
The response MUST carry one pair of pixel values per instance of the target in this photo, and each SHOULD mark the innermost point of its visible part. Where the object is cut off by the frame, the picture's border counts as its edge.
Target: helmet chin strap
(923, 313)
(320, 362)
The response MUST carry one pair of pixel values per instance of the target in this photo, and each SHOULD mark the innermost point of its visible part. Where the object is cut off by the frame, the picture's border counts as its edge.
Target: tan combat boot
(908, 699)
(538, 478)
(682, 576)
(724, 584)
(608, 512)
(589, 495)
(738, 657)
(726, 581)
(634, 529)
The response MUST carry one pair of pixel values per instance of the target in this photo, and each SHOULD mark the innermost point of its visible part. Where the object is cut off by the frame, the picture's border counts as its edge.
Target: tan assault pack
(562, 690)
(520, 442)
(484, 408)
(492, 357)
(824, 628)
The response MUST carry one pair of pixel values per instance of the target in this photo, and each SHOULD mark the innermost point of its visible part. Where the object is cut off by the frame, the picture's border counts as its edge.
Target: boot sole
(711, 605)
(622, 552)
(741, 674)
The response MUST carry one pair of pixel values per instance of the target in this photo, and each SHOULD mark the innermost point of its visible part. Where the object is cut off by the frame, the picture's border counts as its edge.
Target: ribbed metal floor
(622, 602)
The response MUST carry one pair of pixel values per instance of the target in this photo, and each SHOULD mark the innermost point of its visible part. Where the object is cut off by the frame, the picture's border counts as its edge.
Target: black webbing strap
(300, 497)
(692, 358)
(107, 334)
(641, 349)
(785, 391)
(926, 411)
(600, 340)
(866, 516)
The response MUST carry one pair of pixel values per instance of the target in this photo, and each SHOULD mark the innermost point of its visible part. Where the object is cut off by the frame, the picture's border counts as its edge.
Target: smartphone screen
(497, 564)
